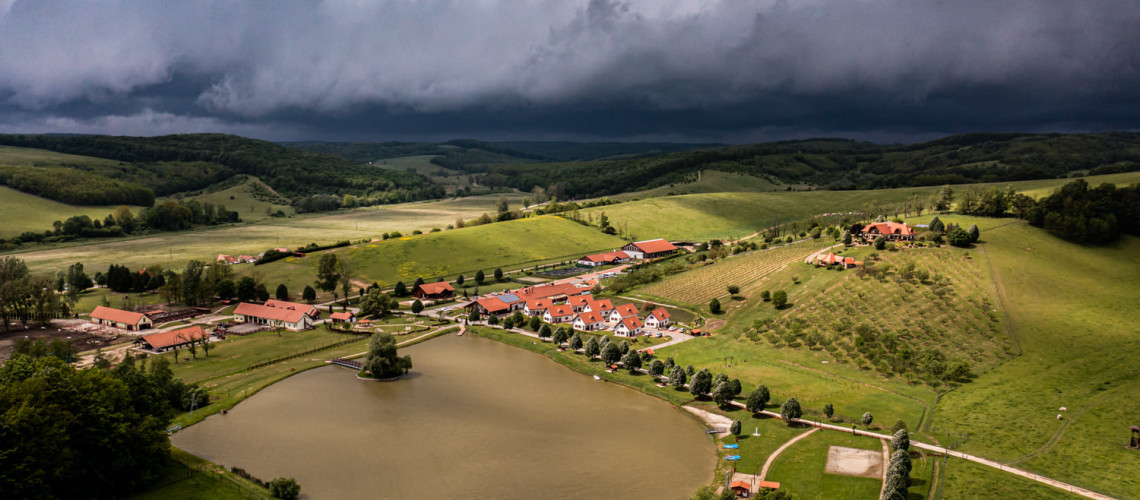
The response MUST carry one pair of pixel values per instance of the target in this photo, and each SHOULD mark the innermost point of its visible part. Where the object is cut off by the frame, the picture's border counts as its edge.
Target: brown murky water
(478, 419)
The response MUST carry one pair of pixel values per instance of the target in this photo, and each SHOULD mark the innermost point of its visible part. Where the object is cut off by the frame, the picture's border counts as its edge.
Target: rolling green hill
(26, 212)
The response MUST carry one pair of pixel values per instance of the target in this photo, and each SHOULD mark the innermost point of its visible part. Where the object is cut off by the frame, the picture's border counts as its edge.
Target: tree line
(166, 216)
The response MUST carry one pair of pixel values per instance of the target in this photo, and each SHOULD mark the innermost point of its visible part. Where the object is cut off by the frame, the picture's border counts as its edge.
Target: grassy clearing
(175, 249)
(11, 155)
(969, 480)
(711, 181)
(736, 214)
(93, 297)
(25, 212)
(698, 286)
(417, 163)
(449, 253)
(800, 469)
(185, 482)
(252, 199)
(1073, 311)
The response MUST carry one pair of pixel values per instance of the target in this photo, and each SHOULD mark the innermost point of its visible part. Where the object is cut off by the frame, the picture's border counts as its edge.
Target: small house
(891, 231)
(490, 306)
(601, 259)
(629, 326)
(580, 302)
(562, 313)
(658, 318)
(225, 259)
(649, 249)
(343, 317)
(623, 311)
(589, 321)
(603, 307)
(536, 307)
(514, 301)
(434, 291)
(118, 318)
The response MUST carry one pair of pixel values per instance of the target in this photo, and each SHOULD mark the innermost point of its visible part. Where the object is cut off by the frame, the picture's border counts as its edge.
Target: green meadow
(21, 212)
(252, 199)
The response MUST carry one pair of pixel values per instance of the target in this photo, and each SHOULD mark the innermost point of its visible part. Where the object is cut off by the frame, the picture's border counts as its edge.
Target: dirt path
(886, 465)
(772, 457)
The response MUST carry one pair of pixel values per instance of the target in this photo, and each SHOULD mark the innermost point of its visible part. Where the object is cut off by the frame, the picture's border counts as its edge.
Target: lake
(475, 419)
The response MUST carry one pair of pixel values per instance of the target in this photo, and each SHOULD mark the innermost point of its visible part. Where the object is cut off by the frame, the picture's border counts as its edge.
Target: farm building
(555, 293)
(276, 317)
(246, 259)
(536, 307)
(118, 318)
(589, 321)
(659, 318)
(563, 313)
(629, 326)
(309, 309)
(226, 259)
(433, 291)
(832, 260)
(603, 307)
(514, 301)
(343, 317)
(623, 311)
(162, 342)
(889, 230)
(649, 249)
(489, 305)
(601, 259)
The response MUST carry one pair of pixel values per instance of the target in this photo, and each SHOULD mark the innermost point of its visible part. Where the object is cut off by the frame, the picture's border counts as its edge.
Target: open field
(12, 155)
(700, 285)
(175, 249)
(800, 468)
(711, 181)
(21, 212)
(183, 481)
(93, 297)
(1073, 310)
(249, 199)
(448, 253)
(737, 214)
(417, 163)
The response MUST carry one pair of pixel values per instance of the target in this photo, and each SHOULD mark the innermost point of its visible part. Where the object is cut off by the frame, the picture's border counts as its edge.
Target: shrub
(285, 488)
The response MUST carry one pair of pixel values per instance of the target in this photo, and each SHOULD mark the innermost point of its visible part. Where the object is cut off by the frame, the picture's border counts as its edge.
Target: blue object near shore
(731, 446)
(732, 457)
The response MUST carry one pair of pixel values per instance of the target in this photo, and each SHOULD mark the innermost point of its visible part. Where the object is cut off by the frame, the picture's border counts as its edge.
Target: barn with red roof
(649, 249)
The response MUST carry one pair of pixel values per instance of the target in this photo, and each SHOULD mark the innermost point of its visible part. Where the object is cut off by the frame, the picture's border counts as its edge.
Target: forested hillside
(176, 163)
(845, 164)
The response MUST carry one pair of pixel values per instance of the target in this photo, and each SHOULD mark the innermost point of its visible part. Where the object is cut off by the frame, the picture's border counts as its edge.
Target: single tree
(535, 323)
(701, 384)
(791, 411)
(669, 364)
(974, 233)
(262, 293)
(779, 299)
(499, 274)
(246, 289)
(959, 238)
(624, 348)
(828, 410)
(880, 243)
(282, 292)
(285, 488)
(677, 377)
(401, 289)
(900, 440)
(722, 394)
(656, 368)
(736, 387)
(735, 428)
(309, 294)
(417, 306)
(226, 289)
(899, 424)
(479, 277)
(867, 419)
(611, 354)
(733, 290)
(757, 400)
(328, 273)
(492, 320)
(561, 335)
(576, 341)
(936, 225)
(714, 306)
(846, 238)
(632, 361)
(765, 295)
(459, 280)
(474, 315)
(592, 348)
(376, 303)
(690, 371)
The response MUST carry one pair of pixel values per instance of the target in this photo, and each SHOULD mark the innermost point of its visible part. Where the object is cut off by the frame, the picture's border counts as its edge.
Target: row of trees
(166, 216)
(1082, 214)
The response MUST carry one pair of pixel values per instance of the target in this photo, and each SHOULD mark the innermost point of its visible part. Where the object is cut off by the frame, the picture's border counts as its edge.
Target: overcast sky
(681, 70)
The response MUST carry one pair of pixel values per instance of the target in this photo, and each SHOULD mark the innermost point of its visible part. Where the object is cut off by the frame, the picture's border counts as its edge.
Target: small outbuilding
(118, 318)
(343, 317)
(434, 291)
(165, 341)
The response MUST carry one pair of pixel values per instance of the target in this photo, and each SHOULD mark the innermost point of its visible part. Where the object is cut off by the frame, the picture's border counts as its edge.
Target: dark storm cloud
(681, 70)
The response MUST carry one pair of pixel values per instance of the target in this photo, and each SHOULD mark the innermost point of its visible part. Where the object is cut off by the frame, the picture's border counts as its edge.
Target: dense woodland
(175, 163)
(1082, 214)
(845, 164)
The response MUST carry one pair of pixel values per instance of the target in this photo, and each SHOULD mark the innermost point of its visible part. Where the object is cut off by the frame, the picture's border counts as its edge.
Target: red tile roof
(544, 291)
(591, 317)
(436, 288)
(272, 313)
(117, 315)
(660, 313)
(580, 300)
(174, 337)
(561, 310)
(740, 484)
(309, 309)
(493, 304)
(603, 305)
(631, 322)
(654, 246)
(537, 304)
(831, 258)
(343, 315)
(768, 484)
(888, 228)
(627, 310)
(606, 257)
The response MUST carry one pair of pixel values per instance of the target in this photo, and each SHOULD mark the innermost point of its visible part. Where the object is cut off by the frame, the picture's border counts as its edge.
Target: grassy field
(448, 253)
(175, 249)
(711, 181)
(800, 468)
(93, 297)
(11, 155)
(417, 163)
(249, 199)
(188, 477)
(25, 212)
(736, 214)
(970, 480)
(1073, 311)
(698, 286)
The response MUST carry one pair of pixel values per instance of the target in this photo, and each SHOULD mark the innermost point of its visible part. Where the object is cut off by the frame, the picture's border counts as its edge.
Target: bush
(780, 299)
(714, 306)
(285, 488)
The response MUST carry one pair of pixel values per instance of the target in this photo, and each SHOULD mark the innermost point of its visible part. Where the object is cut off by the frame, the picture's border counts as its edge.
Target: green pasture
(711, 181)
(800, 468)
(244, 200)
(22, 212)
(12, 155)
(446, 254)
(93, 297)
(417, 163)
(969, 480)
(183, 480)
(1073, 310)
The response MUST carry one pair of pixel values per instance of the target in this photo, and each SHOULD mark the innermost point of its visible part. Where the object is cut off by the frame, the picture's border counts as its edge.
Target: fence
(205, 471)
(302, 353)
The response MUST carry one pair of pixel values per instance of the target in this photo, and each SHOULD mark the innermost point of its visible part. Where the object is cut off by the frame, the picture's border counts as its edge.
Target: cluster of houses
(890, 231)
(571, 304)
